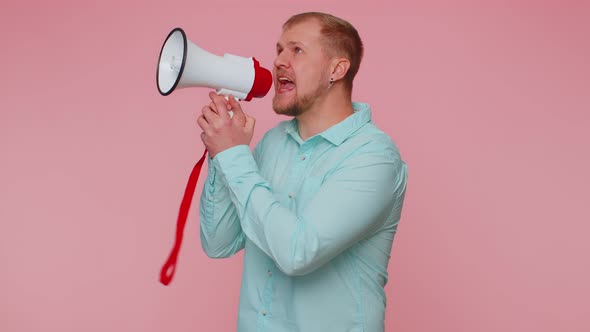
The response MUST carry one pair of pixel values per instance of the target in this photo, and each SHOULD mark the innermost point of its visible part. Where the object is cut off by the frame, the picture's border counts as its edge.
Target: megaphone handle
(168, 270)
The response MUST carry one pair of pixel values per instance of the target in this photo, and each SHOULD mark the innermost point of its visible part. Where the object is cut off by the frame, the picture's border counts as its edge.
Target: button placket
(299, 168)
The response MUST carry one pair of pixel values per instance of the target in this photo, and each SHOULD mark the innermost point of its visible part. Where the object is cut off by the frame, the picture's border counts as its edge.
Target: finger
(221, 103)
(213, 107)
(202, 122)
(239, 115)
(250, 123)
(209, 115)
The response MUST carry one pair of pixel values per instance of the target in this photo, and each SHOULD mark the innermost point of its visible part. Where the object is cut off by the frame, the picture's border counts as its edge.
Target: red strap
(169, 268)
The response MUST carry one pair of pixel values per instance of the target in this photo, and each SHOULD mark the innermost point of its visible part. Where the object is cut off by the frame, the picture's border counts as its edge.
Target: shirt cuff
(235, 162)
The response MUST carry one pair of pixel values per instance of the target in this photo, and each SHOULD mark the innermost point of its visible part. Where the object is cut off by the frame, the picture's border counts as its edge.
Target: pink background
(489, 103)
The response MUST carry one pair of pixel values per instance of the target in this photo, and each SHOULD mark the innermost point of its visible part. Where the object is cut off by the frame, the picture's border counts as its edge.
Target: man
(316, 206)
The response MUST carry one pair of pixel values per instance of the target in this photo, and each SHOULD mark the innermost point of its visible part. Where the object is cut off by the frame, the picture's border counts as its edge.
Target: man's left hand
(220, 130)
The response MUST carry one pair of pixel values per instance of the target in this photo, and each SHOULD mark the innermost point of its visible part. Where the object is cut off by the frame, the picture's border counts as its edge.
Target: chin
(286, 108)
(282, 103)
(281, 109)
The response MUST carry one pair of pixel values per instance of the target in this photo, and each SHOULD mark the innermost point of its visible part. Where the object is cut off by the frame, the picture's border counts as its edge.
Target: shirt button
(302, 157)
(263, 312)
(291, 195)
(269, 272)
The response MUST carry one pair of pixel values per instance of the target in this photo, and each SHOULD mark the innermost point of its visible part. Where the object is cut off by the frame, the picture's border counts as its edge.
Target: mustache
(283, 73)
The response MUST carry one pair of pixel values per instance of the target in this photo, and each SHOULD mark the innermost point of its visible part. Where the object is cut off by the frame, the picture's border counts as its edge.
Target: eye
(298, 50)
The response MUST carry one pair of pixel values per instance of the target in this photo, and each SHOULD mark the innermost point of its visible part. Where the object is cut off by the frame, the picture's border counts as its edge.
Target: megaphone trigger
(227, 92)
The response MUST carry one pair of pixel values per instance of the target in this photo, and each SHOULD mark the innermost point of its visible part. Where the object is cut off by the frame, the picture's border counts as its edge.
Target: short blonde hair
(340, 38)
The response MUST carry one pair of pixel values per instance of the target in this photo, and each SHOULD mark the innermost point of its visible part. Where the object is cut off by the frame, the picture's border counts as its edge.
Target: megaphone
(183, 64)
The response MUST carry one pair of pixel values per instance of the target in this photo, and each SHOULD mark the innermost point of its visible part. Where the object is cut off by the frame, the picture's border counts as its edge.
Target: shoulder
(372, 155)
(370, 139)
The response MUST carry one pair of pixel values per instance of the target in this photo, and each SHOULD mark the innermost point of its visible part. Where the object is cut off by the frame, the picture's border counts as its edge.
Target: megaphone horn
(183, 64)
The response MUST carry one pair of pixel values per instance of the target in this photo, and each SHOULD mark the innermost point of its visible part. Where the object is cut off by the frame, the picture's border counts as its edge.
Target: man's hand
(220, 131)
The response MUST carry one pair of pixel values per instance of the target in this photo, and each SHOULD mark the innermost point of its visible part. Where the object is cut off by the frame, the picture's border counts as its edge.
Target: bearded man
(316, 205)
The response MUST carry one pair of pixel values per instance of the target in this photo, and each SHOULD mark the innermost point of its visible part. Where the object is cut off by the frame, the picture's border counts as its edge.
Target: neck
(327, 111)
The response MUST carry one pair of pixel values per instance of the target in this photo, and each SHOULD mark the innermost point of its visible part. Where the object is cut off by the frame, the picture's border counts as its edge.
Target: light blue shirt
(316, 219)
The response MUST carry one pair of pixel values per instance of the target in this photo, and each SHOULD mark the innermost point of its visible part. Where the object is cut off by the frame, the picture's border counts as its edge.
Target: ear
(340, 67)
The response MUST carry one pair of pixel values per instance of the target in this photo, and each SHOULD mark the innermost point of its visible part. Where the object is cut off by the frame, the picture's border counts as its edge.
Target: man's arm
(221, 233)
(353, 202)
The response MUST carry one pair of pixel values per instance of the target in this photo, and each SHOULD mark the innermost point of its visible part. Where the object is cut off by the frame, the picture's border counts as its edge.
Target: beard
(300, 104)
(294, 108)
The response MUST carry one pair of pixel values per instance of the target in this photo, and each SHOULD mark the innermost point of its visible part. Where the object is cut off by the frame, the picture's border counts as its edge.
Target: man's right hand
(220, 130)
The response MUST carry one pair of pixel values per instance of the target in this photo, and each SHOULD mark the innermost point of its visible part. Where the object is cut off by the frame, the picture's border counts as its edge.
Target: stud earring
(331, 81)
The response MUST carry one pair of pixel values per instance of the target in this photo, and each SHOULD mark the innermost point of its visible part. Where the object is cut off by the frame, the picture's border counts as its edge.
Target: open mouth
(285, 84)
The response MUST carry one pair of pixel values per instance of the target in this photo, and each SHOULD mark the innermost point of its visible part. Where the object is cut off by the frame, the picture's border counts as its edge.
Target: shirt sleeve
(221, 233)
(353, 202)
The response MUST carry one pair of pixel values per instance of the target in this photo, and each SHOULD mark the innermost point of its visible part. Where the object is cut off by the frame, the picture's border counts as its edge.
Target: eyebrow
(289, 43)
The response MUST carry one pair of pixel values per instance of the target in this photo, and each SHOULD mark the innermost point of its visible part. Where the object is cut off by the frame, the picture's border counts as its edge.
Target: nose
(281, 60)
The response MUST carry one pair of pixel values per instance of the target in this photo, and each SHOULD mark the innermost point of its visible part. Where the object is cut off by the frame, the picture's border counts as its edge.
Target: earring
(331, 81)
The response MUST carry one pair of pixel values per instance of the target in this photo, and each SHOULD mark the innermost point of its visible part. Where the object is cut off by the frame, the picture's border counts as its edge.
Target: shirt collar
(338, 133)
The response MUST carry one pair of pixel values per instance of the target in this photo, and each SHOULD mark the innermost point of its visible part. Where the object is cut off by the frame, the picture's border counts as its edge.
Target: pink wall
(489, 104)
